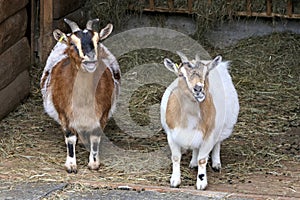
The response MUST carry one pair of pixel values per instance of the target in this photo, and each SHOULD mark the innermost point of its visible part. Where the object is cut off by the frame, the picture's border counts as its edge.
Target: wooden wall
(26, 38)
(52, 13)
(14, 54)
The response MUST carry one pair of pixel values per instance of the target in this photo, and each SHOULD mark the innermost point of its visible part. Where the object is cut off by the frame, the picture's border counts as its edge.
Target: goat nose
(198, 88)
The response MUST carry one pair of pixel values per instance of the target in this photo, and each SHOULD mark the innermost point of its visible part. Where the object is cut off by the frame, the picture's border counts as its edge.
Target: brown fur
(176, 114)
(44, 79)
(208, 113)
(173, 110)
(62, 82)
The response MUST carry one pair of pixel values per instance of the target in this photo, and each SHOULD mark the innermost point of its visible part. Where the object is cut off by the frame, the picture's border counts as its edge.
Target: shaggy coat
(198, 111)
(80, 86)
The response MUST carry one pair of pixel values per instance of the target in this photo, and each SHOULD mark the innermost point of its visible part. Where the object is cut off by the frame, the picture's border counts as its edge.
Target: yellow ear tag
(177, 65)
(61, 38)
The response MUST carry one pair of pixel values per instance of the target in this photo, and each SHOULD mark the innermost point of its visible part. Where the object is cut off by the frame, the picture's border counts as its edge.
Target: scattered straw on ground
(266, 73)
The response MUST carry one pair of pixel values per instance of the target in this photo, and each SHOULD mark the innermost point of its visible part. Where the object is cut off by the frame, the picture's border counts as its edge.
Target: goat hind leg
(94, 158)
(215, 157)
(194, 160)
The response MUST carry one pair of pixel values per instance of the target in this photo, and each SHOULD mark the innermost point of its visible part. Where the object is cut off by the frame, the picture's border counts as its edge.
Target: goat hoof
(175, 183)
(72, 171)
(93, 166)
(217, 167)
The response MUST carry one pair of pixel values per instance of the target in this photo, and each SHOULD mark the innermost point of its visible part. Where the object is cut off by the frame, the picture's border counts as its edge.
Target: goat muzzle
(90, 65)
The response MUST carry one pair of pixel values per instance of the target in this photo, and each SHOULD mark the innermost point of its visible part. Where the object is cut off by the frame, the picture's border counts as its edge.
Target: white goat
(198, 111)
(80, 86)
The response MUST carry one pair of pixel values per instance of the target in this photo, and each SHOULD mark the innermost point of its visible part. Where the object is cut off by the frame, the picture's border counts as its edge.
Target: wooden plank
(13, 29)
(46, 23)
(171, 4)
(14, 93)
(164, 10)
(264, 14)
(151, 4)
(10, 7)
(190, 6)
(289, 8)
(269, 7)
(249, 7)
(248, 10)
(13, 61)
(34, 25)
(230, 11)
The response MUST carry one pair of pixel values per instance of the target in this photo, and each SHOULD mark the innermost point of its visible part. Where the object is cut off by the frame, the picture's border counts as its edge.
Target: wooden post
(229, 8)
(171, 5)
(151, 4)
(249, 12)
(289, 8)
(269, 7)
(33, 28)
(46, 22)
(190, 6)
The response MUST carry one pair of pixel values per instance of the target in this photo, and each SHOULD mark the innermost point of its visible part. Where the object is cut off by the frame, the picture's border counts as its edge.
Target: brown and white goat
(80, 86)
(198, 111)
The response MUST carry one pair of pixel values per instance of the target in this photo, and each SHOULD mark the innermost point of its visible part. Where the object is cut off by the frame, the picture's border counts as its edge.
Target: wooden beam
(151, 4)
(264, 14)
(190, 6)
(269, 7)
(171, 4)
(33, 28)
(46, 22)
(289, 8)
(249, 7)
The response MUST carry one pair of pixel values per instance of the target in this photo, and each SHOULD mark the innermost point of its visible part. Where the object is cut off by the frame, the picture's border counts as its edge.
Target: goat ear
(216, 61)
(105, 32)
(170, 65)
(59, 36)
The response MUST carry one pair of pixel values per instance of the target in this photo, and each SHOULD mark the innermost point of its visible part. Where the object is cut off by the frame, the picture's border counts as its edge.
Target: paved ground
(44, 190)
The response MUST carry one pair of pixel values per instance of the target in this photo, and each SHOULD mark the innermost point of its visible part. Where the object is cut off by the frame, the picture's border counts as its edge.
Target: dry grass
(266, 74)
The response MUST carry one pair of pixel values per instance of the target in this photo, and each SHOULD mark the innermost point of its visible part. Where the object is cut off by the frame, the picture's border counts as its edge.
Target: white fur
(84, 116)
(113, 66)
(71, 161)
(225, 100)
(57, 54)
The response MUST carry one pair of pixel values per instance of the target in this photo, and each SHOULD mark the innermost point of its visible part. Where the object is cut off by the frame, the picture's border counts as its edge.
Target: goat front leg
(70, 164)
(94, 158)
(215, 157)
(201, 176)
(176, 157)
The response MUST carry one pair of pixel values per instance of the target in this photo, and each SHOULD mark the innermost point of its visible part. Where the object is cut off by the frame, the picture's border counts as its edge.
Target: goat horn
(89, 24)
(74, 27)
(182, 57)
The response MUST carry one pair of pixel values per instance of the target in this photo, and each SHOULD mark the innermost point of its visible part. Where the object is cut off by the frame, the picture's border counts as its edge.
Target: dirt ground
(260, 158)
